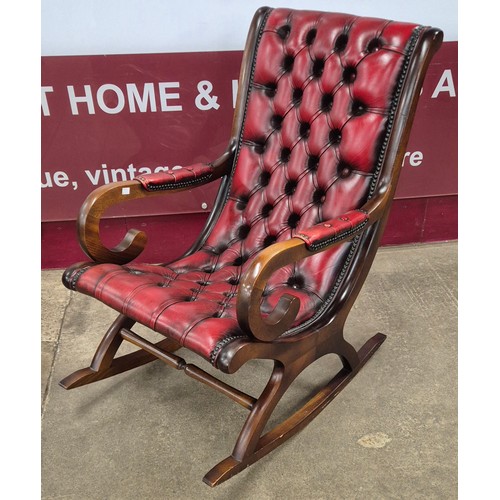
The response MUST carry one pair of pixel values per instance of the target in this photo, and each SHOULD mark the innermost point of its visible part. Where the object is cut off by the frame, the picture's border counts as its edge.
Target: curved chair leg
(104, 364)
(279, 382)
(348, 355)
(250, 447)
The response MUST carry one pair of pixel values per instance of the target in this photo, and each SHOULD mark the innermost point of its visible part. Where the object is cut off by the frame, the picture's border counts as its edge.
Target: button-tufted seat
(324, 108)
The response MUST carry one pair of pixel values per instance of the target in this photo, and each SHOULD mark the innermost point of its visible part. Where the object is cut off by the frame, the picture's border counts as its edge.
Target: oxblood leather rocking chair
(323, 115)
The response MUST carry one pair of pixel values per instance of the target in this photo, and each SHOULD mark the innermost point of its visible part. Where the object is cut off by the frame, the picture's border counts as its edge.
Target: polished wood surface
(104, 197)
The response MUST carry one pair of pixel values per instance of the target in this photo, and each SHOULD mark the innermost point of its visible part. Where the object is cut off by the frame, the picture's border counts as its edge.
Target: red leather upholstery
(185, 176)
(318, 114)
(326, 233)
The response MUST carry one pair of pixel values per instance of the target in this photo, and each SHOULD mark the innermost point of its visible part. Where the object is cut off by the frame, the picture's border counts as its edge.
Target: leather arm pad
(328, 232)
(192, 175)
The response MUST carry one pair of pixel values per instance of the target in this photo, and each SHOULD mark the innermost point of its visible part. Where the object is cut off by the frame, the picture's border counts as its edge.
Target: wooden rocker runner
(324, 110)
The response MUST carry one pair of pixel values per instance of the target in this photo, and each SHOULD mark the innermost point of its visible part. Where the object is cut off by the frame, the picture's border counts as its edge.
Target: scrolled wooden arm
(111, 194)
(252, 287)
(271, 259)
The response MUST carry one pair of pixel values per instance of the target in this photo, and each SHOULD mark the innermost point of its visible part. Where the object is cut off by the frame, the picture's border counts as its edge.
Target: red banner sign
(109, 118)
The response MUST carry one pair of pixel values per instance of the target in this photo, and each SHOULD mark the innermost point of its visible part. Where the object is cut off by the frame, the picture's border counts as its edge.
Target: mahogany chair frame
(291, 354)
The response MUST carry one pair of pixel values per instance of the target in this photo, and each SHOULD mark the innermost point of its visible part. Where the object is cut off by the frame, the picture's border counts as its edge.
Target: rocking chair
(324, 110)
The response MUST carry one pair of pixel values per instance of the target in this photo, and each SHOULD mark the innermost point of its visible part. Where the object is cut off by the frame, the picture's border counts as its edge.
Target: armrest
(306, 243)
(142, 186)
(185, 177)
(333, 230)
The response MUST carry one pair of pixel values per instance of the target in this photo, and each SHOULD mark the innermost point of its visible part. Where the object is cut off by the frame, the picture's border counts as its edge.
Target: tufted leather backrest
(323, 89)
(321, 122)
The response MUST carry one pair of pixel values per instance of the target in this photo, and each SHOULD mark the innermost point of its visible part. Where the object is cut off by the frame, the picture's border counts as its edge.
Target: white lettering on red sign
(415, 158)
(166, 96)
(112, 100)
(74, 100)
(445, 84)
(120, 98)
(148, 96)
(235, 91)
(102, 175)
(45, 104)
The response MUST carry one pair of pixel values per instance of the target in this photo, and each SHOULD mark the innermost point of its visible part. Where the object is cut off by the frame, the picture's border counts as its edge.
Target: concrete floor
(153, 433)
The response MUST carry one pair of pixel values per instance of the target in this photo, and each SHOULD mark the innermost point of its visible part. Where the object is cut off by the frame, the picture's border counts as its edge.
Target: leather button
(335, 136)
(242, 202)
(288, 63)
(313, 163)
(349, 74)
(266, 210)
(318, 67)
(358, 108)
(233, 281)
(293, 220)
(239, 261)
(285, 155)
(243, 231)
(276, 121)
(269, 240)
(311, 35)
(296, 282)
(260, 146)
(304, 130)
(319, 197)
(284, 31)
(326, 102)
(219, 250)
(270, 89)
(374, 45)
(264, 178)
(297, 95)
(341, 42)
(290, 187)
(344, 170)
